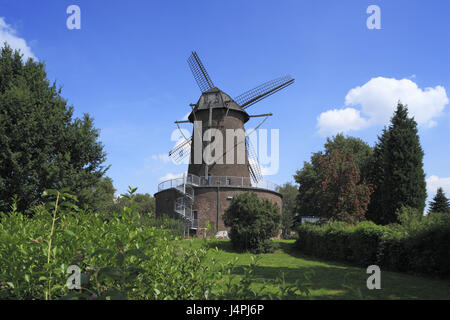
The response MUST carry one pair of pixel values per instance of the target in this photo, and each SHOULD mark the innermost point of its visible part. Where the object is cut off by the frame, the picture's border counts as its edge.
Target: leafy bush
(253, 222)
(175, 227)
(420, 245)
(122, 257)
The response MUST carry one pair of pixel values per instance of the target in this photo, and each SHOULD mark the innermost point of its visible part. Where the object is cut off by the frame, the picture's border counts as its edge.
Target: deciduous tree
(41, 145)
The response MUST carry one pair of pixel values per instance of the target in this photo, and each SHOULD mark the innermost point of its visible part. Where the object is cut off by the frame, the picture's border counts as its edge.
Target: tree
(253, 222)
(311, 176)
(397, 170)
(440, 202)
(289, 193)
(104, 196)
(362, 152)
(145, 203)
(41, 145)
(343, 197)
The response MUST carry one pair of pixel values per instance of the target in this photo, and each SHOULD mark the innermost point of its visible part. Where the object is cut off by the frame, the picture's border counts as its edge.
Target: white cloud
(9, 35)
(170, 176)
(378, 100)
(163, 157)
(434, 182)
(340, 120)
(186, 116)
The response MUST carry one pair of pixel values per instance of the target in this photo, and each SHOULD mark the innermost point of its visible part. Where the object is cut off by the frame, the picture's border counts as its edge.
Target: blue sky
(127, 67)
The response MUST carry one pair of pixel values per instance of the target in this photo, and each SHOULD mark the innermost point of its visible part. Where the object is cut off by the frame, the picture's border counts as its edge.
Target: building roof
(216, 98)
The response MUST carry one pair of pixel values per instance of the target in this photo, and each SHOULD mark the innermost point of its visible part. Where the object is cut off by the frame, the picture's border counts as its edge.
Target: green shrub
(175, 227)
(392, 251)
(420, 245)
(364, 241)
(253, 222)
(121, 257)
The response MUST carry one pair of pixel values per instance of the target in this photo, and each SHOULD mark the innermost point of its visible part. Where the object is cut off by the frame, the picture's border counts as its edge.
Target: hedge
(424, 251)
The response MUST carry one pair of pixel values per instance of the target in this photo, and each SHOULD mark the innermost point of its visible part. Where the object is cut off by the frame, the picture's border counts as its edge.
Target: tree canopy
(311, 200)
(288, 210)
(440, 202)
(253, 222)
(397, 170)
(42, 145)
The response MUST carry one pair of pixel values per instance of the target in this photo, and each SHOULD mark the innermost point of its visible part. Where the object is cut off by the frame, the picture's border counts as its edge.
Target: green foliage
(144, 203)
(119, 258)
(343, 198)
(362, 152)
(253, 222)
(419, 245)
(103, 194)
(440, 202)
(42, 146)
(397, 170)
(289, 193)
(313, 174)
(410, 219)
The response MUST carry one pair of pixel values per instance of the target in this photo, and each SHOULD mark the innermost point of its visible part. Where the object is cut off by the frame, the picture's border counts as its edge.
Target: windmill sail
(253, 164)
(251, 97)
(181, 150)
(199, 71)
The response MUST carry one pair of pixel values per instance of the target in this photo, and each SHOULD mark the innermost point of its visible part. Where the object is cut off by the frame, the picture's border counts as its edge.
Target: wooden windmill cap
(216, 99)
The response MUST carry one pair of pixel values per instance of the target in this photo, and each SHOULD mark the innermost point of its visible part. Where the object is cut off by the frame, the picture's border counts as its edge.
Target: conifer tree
(397, 170)
(440, 202)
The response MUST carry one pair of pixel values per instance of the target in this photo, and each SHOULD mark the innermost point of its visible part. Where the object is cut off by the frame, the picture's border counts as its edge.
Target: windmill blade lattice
(251, 97)
(199, 71)
(253, 163)
(181, 151)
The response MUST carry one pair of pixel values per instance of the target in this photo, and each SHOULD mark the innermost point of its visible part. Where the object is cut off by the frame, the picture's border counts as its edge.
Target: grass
(328, 280)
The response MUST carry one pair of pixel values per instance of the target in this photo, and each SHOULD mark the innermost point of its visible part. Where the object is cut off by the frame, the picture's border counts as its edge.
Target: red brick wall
(233, 120)
(205, 202)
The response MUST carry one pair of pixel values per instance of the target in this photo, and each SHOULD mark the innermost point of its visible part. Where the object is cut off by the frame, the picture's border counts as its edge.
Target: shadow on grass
(337, 283)
(334, 280)
(225, 245)
(290, 249)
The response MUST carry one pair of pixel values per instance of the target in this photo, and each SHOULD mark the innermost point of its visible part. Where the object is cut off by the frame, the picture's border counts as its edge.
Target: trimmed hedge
(425, 250)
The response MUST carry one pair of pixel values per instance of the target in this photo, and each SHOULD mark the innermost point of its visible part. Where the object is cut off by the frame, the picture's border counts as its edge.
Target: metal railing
(241, 182)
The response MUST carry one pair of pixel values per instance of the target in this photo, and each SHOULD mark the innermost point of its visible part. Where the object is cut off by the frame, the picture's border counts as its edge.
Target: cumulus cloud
(340, 120)
(378, 99)
(9, 35)
(170, 176)
(434, 182)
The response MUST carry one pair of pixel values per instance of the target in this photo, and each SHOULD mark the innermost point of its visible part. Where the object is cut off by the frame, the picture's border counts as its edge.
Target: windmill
(217, 110)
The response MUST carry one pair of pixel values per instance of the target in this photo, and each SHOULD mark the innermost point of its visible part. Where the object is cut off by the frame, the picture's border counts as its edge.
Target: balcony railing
(241, 182)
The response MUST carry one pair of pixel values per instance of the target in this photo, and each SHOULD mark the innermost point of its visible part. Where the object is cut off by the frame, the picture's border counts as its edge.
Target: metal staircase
(184, 201)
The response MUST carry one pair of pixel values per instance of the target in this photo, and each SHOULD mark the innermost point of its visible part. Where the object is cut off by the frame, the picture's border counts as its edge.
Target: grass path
(328, 280)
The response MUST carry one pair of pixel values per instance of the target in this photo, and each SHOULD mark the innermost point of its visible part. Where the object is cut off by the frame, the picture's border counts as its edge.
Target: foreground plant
(123, 256)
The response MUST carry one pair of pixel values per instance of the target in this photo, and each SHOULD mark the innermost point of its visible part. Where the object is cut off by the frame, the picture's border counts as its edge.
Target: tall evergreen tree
(41, 146)
(397, 170)
(440, 202)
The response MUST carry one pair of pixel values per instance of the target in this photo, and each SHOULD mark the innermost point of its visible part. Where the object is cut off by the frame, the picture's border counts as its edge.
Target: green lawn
(328, 280)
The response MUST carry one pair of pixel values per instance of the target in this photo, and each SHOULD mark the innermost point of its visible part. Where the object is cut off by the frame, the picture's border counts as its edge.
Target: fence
(241, 182)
